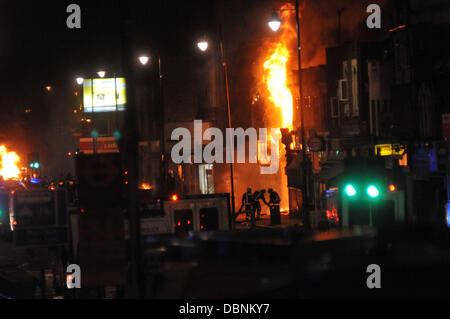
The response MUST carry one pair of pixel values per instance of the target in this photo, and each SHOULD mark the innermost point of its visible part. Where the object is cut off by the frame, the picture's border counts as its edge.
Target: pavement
(287, 220)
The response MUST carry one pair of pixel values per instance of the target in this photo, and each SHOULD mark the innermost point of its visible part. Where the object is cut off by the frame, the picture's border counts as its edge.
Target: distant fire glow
(9, 164)
(145, 186)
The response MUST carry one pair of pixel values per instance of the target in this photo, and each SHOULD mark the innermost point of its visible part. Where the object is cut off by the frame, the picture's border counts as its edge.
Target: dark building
(394, 93)
(421, 96)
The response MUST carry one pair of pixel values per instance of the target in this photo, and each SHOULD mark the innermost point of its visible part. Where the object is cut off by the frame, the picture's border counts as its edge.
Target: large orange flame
(275, 78)
(8, 164)
(277, 64)
(276, 68)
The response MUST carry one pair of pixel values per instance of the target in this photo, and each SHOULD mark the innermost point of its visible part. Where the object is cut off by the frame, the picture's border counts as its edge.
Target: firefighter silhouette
(247, 203)
(274, 205)
(256, 204)
(274, 199)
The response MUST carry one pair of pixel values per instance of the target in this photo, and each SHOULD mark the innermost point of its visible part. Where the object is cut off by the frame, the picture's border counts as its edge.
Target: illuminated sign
(102, 145)
(104, 95)
(390, 149)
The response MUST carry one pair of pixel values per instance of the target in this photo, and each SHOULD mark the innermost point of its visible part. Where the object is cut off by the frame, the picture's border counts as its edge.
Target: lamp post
(94, 133)
(203, 46)
(144, 60)
(275, 23)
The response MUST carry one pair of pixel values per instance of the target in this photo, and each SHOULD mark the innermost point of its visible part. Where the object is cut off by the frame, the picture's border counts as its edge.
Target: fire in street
(9, 169)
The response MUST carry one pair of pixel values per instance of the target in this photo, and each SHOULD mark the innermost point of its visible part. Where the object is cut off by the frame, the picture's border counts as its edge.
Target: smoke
(320, 26)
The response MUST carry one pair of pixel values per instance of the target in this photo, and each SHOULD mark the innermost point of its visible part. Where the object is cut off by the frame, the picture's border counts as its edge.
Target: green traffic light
(350, 190)
(372, 191)
(95, 134)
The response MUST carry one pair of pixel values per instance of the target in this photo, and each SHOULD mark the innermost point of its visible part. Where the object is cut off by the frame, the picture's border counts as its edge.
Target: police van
(187, 214)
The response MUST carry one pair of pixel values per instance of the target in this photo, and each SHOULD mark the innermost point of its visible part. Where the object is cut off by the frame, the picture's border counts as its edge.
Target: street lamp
(101, 74)
(80, 80)
(203, 46)
(275, 22)
(144, 59)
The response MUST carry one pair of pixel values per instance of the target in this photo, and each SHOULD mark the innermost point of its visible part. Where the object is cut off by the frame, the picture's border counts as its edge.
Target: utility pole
(163, 121)
(227, 97)
(305, 165)
(131, 156)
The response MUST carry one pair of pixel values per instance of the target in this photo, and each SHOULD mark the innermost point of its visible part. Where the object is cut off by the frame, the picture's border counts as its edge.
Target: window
(206, 178)
(184, 221)
(209, 219)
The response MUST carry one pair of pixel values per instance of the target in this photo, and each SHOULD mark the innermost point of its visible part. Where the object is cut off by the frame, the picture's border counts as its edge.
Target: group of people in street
(251, 203)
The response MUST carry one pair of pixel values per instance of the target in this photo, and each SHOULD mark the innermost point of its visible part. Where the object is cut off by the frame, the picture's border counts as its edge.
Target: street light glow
(144, 60)
(372, 191)
(350, 190)
(80, 80)
(101, 74)
(275, 22)
(203, 46)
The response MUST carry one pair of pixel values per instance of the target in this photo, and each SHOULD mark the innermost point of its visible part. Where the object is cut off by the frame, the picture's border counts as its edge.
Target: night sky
(37, 49)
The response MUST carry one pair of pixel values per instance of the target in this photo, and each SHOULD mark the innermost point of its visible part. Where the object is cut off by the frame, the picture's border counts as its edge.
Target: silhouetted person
(274, 198)
(247, 202)
(274, 204)
(256, 204)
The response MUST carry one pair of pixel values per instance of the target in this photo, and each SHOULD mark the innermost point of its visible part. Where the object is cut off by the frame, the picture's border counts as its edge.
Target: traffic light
(117, 135)
(365, 179)
(373, 191)
(350, 190)
(34, 165)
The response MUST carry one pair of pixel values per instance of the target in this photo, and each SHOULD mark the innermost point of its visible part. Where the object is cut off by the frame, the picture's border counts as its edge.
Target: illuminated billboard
(103, 95)
(390, 149)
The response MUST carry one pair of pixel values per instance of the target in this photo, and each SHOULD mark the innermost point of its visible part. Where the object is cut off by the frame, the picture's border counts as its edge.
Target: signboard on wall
(104, 95)
(390, 149)
(103, 145)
